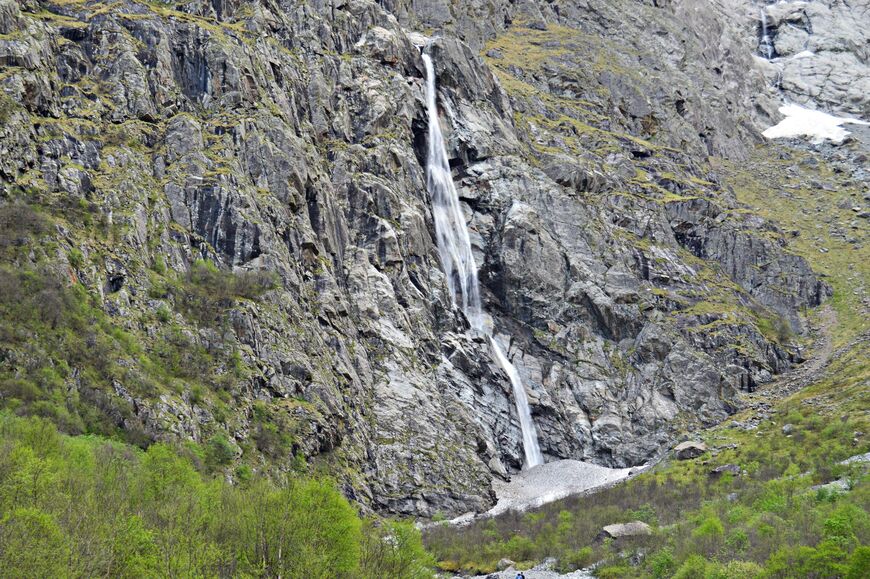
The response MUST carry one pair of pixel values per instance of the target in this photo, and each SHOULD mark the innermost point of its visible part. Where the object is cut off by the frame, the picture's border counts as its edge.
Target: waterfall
(766, 42)
(457, 259)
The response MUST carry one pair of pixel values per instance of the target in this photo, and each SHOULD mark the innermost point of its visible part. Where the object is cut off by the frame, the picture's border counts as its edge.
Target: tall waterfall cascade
(457, 259)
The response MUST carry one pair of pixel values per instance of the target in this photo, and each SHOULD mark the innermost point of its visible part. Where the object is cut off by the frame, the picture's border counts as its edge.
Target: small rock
(730, 468)
(690, 449)
(788, 429)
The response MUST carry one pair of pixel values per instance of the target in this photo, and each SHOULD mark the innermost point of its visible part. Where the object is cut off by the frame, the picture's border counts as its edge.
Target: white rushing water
(457, 259)
(766, 42)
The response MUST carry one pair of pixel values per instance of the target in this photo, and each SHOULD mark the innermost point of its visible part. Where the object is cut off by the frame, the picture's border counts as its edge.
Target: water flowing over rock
(457, 260)
(582, 145)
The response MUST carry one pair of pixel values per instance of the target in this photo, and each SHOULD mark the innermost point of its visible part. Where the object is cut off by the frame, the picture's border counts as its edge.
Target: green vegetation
(90, 507)
(823, 227)
(759, 520)
(65, 359)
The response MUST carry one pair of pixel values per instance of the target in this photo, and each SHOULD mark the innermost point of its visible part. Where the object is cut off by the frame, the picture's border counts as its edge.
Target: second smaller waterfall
(766, 44)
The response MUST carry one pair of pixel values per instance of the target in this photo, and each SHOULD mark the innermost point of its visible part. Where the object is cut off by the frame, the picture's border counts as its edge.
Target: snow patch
(803, 54)
(553, 481)
(802, 122)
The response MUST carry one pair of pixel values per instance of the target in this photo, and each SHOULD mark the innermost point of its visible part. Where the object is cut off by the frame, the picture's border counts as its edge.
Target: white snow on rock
(802, 122)
(804, 54)
(553, 481)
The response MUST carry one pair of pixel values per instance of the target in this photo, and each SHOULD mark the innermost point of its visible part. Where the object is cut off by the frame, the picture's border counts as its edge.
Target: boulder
(504, 564)
(690, 449)
(788, 429)
(620, 531)
(729, 468)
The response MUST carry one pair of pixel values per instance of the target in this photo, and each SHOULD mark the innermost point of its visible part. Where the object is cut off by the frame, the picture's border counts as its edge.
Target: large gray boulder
(689, 449)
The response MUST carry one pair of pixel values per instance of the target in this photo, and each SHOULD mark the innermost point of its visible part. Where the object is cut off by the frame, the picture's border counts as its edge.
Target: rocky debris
(726, 468)
(543, 570)
(857, 459)
(689, 450)
(835, 486)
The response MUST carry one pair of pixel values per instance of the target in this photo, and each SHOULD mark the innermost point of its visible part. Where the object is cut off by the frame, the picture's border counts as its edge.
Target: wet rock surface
(291, 139)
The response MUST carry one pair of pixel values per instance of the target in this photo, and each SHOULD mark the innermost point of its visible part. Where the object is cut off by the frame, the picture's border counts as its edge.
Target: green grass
(767, 187)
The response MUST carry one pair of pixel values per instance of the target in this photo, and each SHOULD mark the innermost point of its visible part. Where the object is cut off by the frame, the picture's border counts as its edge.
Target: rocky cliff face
(289, 137)
(820, 53)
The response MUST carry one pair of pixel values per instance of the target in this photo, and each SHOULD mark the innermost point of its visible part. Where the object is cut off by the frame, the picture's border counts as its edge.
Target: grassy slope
(767, 521)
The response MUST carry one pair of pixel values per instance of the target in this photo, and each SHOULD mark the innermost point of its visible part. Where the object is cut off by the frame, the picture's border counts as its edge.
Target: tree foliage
(88, 507)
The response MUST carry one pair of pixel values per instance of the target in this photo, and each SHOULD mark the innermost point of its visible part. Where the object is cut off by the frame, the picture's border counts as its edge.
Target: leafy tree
(31, 545)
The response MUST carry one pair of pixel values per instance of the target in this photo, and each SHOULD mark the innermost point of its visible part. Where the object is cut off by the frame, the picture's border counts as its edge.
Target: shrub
(19, 223)
(394, 549)
(164, 314)
(662, 563)
(576, 560)
(208, 291)
(695, 567)
(31, 545)
(737, 570)
(76, 258)
(219, 452)
(859, 564)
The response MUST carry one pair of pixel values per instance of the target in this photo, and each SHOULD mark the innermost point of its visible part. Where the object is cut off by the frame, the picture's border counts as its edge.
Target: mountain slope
(219, 231)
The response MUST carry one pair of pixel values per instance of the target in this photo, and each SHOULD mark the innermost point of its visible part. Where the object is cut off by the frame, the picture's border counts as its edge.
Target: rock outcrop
(289, 138)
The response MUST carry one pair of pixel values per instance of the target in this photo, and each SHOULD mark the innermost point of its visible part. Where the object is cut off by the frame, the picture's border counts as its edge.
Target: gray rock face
(732, 469)
(291, 139)
(822, 55)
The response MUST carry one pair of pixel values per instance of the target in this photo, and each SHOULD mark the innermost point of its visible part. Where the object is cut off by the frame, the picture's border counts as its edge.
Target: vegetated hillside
(90, 507)
(217, 230)
(783, 502)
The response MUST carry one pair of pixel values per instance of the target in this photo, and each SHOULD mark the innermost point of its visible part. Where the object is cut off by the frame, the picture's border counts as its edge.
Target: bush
(394, 549)
(859, 565)
(662, 563)
(208, 291)
(695, 567)
(31, 545)
(576, 560)
(219, 452)
(19, 223)
(737, 570)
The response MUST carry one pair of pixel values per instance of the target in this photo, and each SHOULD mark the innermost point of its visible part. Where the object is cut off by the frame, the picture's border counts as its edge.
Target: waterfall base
(548, 483)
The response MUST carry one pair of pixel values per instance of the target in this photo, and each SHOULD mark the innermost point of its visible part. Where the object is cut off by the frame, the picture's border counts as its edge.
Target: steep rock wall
(289, 137)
